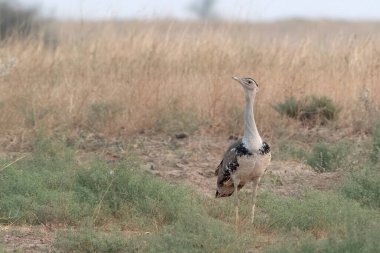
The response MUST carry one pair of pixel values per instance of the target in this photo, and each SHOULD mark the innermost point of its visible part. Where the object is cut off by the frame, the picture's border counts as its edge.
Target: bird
(247, 159)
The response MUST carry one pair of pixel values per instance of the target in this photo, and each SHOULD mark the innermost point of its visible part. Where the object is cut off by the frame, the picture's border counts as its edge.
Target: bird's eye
(249, 82)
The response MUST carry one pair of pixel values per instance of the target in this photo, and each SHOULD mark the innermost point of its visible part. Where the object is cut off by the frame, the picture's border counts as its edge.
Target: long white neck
(251, 138)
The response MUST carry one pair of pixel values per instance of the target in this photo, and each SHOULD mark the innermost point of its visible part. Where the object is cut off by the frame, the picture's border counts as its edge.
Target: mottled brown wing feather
(224, 170)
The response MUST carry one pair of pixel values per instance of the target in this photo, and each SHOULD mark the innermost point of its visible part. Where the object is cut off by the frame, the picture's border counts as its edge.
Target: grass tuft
(323, 157)
(364, 186)
(90, 240)
(365, 241)
(313, 212)
(327, 157)
(375, 154)
(312, 110)
(289, 108)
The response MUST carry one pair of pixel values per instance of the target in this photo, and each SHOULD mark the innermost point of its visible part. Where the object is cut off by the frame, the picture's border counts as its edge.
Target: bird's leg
(236, 201)
(255, 184)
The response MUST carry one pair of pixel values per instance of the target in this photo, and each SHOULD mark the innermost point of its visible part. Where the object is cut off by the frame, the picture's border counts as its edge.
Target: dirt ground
(191, 161)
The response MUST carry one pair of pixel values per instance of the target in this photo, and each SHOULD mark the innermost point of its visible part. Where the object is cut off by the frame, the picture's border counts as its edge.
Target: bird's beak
(236, 78)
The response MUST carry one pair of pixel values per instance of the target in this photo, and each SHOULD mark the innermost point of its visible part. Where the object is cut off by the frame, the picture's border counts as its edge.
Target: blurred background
(245, 10)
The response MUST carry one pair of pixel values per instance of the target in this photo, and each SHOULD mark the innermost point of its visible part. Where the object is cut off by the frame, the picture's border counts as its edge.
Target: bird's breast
(251, 167)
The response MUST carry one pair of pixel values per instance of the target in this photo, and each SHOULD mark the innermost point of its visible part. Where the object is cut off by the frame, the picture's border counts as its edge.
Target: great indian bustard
(245, 160)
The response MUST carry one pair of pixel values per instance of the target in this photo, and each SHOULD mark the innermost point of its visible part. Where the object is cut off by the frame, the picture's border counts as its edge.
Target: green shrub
(38, 190)
(364, 186)
(375, 154)
(313, 211)
(327, 157)
(312, 109)
(125, 192)
(52, 187)
(323, 157)
(289, 108)
(358, 239)
(320, 109)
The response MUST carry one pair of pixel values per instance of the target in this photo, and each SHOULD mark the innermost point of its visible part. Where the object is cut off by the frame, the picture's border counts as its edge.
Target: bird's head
(248, 83)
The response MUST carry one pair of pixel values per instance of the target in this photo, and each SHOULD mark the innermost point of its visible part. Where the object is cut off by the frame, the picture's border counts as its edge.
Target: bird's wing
(228, 164)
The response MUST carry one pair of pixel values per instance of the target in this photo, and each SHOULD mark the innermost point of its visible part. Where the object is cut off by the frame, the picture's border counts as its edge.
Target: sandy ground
(193, 161)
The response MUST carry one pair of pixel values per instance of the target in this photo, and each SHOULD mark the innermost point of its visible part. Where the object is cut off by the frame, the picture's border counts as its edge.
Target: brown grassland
(111, 76)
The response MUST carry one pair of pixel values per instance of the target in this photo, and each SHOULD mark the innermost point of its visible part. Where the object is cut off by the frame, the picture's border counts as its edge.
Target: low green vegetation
(322, 157)
(50, 187)
(363, 185)
(375, 154)
(119, 208)
(350, 218)
(326, 157)
(360, 239)
(312, 110)
(289, 108)
(90, 240)
(312, 212)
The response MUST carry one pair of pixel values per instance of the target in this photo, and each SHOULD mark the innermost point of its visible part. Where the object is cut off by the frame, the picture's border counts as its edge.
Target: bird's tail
(222, 195)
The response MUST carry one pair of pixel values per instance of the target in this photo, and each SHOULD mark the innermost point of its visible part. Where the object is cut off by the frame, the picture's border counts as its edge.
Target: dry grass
(111, 76)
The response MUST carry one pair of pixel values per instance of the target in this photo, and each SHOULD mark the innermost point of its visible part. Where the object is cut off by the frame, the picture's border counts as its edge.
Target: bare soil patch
(28, 239)
(193, 161)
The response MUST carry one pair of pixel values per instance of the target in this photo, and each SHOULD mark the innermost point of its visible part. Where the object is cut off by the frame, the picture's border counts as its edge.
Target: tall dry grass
(111, 76)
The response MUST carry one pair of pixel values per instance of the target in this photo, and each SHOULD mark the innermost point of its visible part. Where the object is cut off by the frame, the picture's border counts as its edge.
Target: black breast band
(265, 149)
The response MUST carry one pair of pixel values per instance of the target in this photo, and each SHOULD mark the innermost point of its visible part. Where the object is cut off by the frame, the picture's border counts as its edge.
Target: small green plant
(312, 109)
(327, 157)
(289, 108)
(321, 109)
(375, 154)
(323, 157)
(364, 185)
